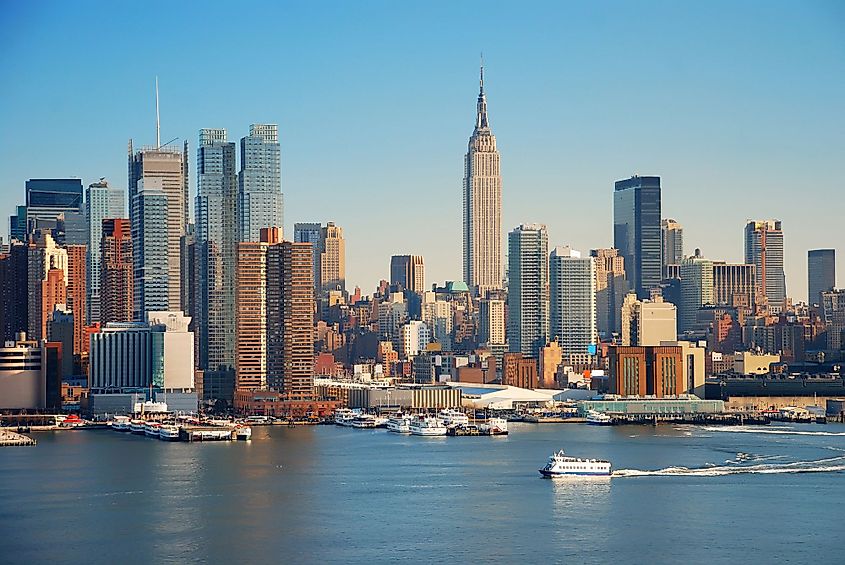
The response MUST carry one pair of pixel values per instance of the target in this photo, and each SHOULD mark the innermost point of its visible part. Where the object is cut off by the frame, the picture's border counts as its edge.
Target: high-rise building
(482, 205)
(572, 300)
(151, 249)
(636, 231)
(648, 322)
(408, 271)
(332, 259)
(696, 290)
(47, 283)
(76, 294)
(415, 336)
(290, 319)
(46, 199)
(101, 201)
(491, 313)
(214, 252)
(14, 278)
(260, 203)
(733, 285)
(167, 167)
(821, 273)
(251, 320)
(611, 288)
(116, 271)
(17, 224)
(310, 232)
(528, 289)
(672, 237)
(764, 250)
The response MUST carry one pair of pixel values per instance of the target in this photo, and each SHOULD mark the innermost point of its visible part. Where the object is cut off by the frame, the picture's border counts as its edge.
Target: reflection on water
(583, 493)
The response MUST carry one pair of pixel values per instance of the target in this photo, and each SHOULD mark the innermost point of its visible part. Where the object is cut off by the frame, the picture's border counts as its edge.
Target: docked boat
(344, 416)
(427, 426)
(598, 418)
(243, 432)
(463, 430)
(364, 421)
(561, 465)
(494, 427)
(168, 432)
(452, 417)
(400, 423)
(120, 424)
(137, 427)
(151, 429)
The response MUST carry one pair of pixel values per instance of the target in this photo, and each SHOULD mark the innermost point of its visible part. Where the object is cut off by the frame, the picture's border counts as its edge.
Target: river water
(340, 495)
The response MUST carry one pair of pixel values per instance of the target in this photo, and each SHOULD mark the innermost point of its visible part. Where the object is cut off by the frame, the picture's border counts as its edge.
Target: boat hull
(556, 474)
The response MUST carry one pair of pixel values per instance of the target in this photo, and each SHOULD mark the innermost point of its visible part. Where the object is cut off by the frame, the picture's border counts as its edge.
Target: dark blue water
(327, 494)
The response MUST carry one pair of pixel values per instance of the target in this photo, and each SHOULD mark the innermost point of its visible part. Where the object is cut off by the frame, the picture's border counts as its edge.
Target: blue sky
(738, 106)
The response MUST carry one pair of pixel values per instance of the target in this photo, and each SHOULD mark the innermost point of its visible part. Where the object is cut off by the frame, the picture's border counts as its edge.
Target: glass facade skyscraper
(260, 203)
(528, 289)
(764, 250)
(821, 273)
(150, 247)
(637, 231)
(101, 202)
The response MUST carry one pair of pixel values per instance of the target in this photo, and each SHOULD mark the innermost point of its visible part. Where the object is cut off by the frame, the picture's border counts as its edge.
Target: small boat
(494, 427)
(344, 416)
(598, 418)
(364, 421)
(400, 424)
(452, 417)
(168, 432)
(560, 465)
(137, 427)
(427, 426)
(243, 432)
(151, 429)
(120, 424)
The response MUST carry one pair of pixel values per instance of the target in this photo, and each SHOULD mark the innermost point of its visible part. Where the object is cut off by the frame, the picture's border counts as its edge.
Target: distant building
(733, 285)
(636, 231)
(651, 370)
(101, 201)
(572, 299)
(48, 199)
(260, 200)
(47, 283)
(696, 290)
(408, 271)
(23, 380)
(648, 322)
(611, 288)
(14, 278)
(251, 323)
(116, 271)
(76, 295)
(750, 363)
(415, 338)
(764, 250)
(519, 371)
(550, 359)
(329, 251)
(528, 292)
(821, 273)
(672, 236)
(491, 313)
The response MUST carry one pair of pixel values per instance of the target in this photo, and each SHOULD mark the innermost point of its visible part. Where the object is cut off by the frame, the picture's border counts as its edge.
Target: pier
(9, 438)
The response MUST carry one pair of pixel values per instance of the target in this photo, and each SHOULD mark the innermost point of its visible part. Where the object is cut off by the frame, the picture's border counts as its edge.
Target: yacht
(364, 421)
(151, 429)
(560, 465)
(120, 424)
(598, 418)
(243, 432)
(344, 416)
(452, 417)
(427, 426)
(168, 432)
(494, 427)
(137, 427)
(400, 423)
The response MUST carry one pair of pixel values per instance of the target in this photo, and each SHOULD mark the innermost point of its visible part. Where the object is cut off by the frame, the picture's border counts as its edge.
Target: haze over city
(736, 108)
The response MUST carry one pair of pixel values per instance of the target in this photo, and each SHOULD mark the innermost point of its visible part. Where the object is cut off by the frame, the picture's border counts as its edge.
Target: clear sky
(738, 106)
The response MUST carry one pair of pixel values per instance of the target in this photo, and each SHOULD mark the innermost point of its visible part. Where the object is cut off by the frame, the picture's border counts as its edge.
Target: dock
(10, 438)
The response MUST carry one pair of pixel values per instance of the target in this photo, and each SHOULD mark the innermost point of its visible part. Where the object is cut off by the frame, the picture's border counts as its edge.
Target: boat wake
(829, 465)
(773, 431)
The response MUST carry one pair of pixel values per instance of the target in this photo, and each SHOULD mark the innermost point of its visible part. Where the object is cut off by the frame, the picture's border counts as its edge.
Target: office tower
(168, 168)
(14, 277)
(46, 199)
(17, 224)
(214, 252)
(733, 285)
(764, 250)
(636, 231)
(310, 232)
(491, 313)
(76, 294)
(672, 237)
(290, 319)
(482, 205)
(572, 300)
(696, 290)
(101, 201)
(408, 271)
(332, 259)
(151, 249)
(528, 292)
(821, 273)
(650, 370)
(648, 322)
(116, 271)
(250, 319)
(260, 203)
(415, 337)
(47, 274)
(611, 288)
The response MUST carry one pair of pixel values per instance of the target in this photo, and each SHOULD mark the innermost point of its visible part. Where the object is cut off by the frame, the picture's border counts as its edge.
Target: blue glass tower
(636, 231)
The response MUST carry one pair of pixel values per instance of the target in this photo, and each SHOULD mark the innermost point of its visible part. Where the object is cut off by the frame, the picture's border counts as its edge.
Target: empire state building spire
(482, 205)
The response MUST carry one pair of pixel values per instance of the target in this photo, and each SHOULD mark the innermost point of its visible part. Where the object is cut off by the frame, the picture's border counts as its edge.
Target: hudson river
(341, 495)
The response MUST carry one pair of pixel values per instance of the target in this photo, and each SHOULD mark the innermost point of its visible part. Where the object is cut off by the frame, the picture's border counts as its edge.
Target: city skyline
(735, 157)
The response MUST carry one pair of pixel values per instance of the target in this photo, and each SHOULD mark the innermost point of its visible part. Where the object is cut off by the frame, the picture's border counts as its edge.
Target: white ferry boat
(560, 465)
(243, 432)
(137, 427)
(598, 418)
(452, 417)
(494, 427)
(364, 421)
(151, 429)
(120, 424)
(168, 432)
(344, 416)
(400, 423)
(427, 426)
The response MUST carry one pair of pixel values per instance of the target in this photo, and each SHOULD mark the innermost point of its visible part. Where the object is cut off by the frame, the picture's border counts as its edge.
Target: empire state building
(482, 205)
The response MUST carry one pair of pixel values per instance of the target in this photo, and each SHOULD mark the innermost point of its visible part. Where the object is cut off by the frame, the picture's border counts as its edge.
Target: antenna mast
(158, 129)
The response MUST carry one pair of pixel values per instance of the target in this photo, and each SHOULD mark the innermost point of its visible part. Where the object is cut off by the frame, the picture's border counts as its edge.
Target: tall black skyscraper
(636, 231)
(821, 273)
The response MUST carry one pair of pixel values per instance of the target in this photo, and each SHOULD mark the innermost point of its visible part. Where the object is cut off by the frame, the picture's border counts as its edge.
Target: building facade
(408, 271)
(151, 249)
(821, 273)
(528, 289)
(260, 201)
(672, 237)
(696, 290)
(764, 250)
(101, 201)
(611, 288)
(572, 300)
(116, 271)
(641, 371)
(637, 231)
(76, 295)
(47, 275)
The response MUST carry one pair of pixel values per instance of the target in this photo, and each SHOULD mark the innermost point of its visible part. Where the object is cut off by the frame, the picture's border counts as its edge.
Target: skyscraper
(821, 273)
(214, 252)
(310, 232)
(47, 274)
(696, 290)
(611, 288)
(733, 285)
(48, 198)
(151, 249)
(169, 167)
(14, 267)
(572, 299)
(482, 205)
(332, 259)
(764, 249)
(101, 202)
(76, 293)
(116, 271)
(408, 271)
(251, 320)
(636, 231)
(528, 289)
(672, 237)
(260, 203)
